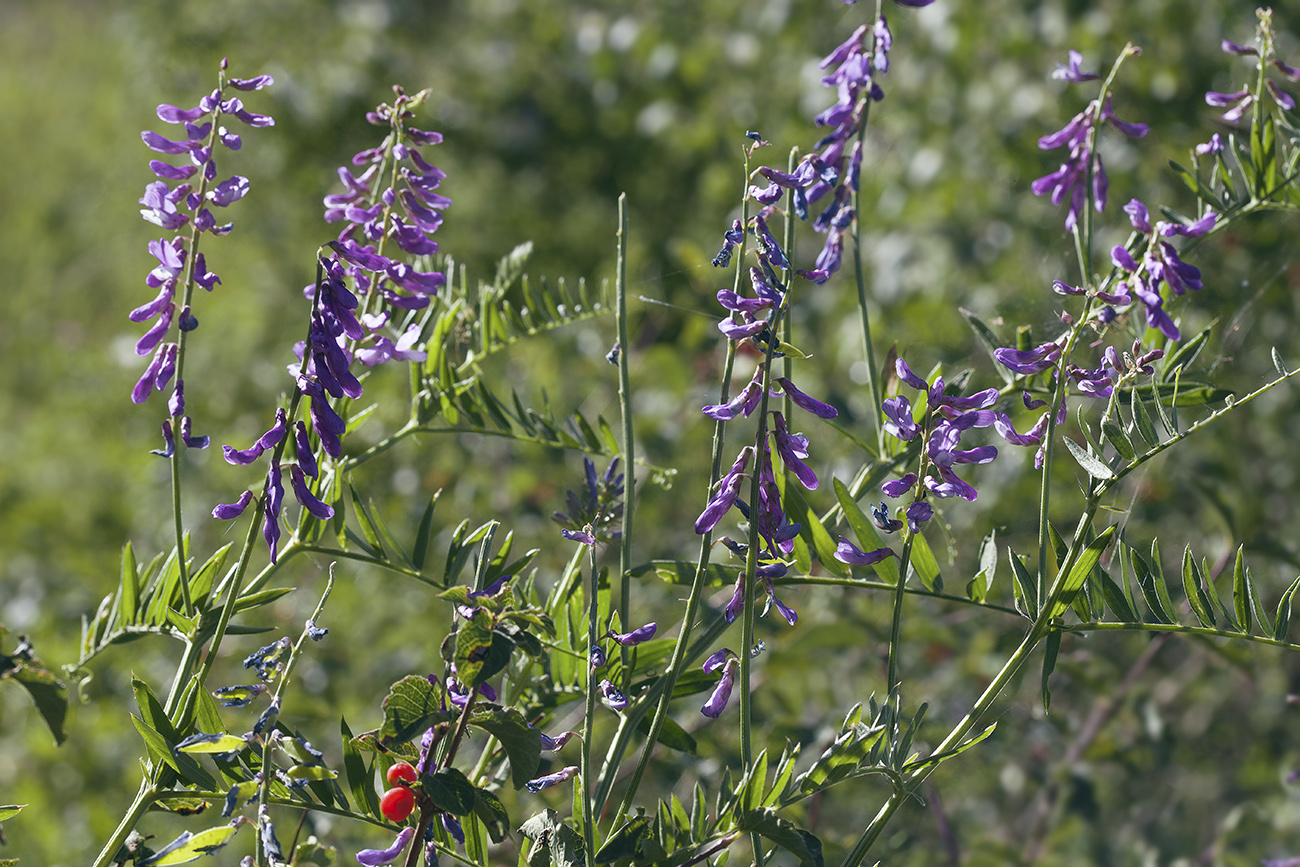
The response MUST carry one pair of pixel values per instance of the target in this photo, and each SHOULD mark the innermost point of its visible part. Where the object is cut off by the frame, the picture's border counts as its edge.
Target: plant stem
(593, 615)
(629, 445)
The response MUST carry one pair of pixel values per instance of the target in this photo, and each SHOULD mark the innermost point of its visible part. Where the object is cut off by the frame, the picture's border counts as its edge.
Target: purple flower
(717, 702)
(717, 659)
(737, 599)
(743, 403)
(898, 418)
(1212, 147)
(612, 696)
(554, 779)
(792, 448)
(880, 517)
(319, 510)
(636, 636)
(579, 536)
(847, 552)
(1028, 362)
(917, 514)
(804, 402)
(790, 615)
(725, 498)
(551, 744)
(233, 510)
(274, 497)
(375, 857)
(898, 487)
(1072, 73)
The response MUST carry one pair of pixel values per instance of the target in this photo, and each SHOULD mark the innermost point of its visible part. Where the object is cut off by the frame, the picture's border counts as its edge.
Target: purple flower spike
(847, 552)
(717, 702)
(376, 857)
(554, 779)
(636, 636)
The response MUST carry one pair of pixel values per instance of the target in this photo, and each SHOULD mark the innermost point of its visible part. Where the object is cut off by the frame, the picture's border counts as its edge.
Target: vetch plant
(466, 758)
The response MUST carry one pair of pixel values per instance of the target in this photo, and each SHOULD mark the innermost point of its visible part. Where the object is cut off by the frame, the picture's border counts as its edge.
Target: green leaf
(865, 531)
(988, 340)
(1143, 421)
(488, 808)
(1091, 464)
(925, 564)
(813, 532)
(49, 694)
(450, 791)
(977, 589)
(200, 844)
(1284, 612)
(750, 793)
(130, 582)
(412, 705)
(626, 842)
(1147, 583)
(522, 743)
(367, 523)
(1051, 649)
(217, 743)
(480, 651)
(1079, 572)
(8, 811)
(420, 550)
(1240, 591)
(312, 773)
(1181, 359)
(1026, 587)
(798, 842)
(1195, 593)
(1118, 439)
(671, 735)
(361, 780)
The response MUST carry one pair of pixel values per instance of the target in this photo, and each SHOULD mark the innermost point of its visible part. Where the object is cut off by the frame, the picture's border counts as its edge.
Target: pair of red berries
(398, 802)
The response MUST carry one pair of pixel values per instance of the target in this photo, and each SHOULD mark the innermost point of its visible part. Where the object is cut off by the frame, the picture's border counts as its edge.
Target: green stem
(143, 800)
(593, 616)
(896, 624)
(629, 445)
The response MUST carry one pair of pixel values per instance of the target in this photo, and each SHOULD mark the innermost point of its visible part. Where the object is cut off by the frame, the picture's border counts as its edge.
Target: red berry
(397, 803)
(401, 771)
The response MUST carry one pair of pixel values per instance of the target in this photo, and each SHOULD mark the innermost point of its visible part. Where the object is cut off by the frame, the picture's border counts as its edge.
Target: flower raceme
(1083, 161)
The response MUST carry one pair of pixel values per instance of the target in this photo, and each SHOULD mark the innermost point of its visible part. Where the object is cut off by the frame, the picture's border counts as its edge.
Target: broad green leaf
(925, 564)
(204, 744)
(313, 773)
(1143, 421)
(522, 743)
(412, 705)
(488, 809)
(450, 791)
(480, 651)
(195, 846)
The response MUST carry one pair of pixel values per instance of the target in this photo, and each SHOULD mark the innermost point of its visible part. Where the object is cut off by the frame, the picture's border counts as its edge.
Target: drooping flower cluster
(943, 424)
(1160, 264)
(1083, 161)
(362, 286)
(1239, 103)
(598, 507)
(186, 210)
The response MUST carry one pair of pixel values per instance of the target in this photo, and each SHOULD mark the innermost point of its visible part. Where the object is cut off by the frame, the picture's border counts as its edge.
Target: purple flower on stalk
(793, 448)
(554, 779)
(376, 857)
(636, 636)
(230, 511)
(917, 514)
(743, 404)
(806, 403)
(551, 744)
(1213, 147)
(898, 487)
(1072, 73)
(1028, 362)
(717, 702)
(847, 552)
(579, 536)
(730, 239)
(728, 491)
(880, 517)
(612, 696)
(717, 659)
(271, 522)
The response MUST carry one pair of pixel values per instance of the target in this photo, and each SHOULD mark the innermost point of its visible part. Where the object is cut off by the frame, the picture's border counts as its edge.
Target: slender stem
(593, 615)
(629, 444)
(462, 722)
(678, 660)
(143, 800)
(896, 625)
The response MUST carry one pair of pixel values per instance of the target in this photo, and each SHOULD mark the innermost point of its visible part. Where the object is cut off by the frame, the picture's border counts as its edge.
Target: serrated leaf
(521, 742)
(412, 705)
(1195, 593)
(1090, 463)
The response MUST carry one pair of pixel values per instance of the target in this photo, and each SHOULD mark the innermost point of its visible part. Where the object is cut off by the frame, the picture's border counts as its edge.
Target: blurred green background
(550, 110)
